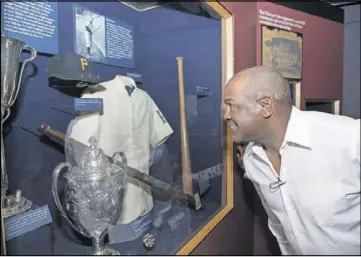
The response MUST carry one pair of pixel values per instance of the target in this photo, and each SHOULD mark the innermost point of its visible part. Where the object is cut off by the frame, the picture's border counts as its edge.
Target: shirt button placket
(290, 211)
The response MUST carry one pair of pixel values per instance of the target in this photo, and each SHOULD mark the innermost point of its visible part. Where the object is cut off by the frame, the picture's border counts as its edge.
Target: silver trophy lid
(93, 160)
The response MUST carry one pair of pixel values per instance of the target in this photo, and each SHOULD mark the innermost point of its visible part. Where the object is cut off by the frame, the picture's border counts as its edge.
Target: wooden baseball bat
(192, 200)
(186, 161)
(45, 129)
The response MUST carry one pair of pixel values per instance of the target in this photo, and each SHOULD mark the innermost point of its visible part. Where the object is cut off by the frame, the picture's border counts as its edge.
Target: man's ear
(267, 106)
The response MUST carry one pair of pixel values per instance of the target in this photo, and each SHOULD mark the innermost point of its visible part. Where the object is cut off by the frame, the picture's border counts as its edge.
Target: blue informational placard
(136, 76)
(102, 39)
(203, 91)
(21, 224)
(34, 22)
(88, 104)
(122, 232)
(176, 220)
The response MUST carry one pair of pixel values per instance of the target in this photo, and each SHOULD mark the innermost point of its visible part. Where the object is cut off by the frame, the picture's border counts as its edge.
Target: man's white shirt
(317, 210)
(130, 123)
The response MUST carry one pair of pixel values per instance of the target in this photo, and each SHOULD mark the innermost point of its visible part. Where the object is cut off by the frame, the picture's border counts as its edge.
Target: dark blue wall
(198, 40)
(160, 36)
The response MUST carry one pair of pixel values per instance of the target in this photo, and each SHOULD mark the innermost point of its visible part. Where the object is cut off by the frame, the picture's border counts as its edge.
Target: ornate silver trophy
(93, 194)
(10, 84)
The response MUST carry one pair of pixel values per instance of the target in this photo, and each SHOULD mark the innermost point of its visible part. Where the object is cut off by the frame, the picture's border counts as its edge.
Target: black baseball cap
(71, 68)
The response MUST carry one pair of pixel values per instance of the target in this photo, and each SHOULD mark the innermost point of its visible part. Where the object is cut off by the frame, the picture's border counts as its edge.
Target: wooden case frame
(227, 179)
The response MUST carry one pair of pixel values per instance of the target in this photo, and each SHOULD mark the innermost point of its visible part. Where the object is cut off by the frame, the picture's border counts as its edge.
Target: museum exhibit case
(113, 137)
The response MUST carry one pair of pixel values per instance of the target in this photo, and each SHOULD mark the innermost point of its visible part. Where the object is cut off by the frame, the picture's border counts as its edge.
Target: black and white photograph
(90, 34)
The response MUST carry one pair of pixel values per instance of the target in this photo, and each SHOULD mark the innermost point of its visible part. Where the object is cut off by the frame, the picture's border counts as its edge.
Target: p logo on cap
(84, 63)
(71, 68)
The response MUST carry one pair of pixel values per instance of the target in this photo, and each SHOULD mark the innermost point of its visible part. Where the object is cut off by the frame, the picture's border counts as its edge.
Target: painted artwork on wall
(282, 50)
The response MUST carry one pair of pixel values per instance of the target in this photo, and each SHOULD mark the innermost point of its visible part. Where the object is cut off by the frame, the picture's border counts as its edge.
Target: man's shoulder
(319, 121)
(323, 117)
(330, 132)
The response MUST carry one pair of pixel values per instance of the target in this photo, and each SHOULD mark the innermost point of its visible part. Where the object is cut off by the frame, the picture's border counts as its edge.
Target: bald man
(304, 165)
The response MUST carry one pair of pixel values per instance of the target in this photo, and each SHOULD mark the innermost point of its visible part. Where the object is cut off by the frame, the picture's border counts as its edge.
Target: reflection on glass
(143, 122)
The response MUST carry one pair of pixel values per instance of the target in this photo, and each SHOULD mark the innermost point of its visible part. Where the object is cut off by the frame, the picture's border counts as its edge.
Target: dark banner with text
(34, 22)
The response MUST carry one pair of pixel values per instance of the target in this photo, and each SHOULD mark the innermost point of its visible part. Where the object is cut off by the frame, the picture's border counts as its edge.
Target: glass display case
(116, 137)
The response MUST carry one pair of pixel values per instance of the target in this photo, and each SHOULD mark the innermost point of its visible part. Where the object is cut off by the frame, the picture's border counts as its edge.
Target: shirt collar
(297, 133)
(297, 129)
(127, 81)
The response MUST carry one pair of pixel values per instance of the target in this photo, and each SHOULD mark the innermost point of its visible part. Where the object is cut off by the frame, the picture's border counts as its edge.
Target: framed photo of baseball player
(90, 34)
(103, 39)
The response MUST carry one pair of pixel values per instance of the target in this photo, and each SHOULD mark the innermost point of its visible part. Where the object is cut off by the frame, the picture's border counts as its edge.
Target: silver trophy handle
(32, 57)
(4, 176)
(6, 116)
(54, 189)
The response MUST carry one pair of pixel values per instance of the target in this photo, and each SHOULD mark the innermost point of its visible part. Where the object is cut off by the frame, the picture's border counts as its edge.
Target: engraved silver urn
(93, 194)
(11, 49)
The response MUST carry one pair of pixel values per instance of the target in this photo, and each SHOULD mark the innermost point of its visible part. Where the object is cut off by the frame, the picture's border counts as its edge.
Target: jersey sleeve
(160, 129)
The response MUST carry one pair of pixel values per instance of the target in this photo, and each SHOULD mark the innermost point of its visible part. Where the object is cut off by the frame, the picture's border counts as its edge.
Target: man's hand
(240, 153)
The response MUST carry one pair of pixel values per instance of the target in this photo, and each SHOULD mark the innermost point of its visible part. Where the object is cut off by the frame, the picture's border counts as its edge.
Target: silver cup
(11, 49)
(93, 194)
